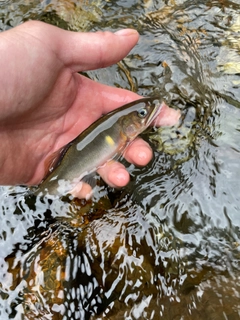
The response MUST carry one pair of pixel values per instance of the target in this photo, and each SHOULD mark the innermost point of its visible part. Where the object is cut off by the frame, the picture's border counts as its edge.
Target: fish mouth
(156, 111)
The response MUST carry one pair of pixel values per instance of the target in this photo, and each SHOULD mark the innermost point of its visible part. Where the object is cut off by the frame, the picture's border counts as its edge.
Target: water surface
(167, 245)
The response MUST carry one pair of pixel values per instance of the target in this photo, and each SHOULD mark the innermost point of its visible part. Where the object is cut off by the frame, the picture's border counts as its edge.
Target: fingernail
(126, 32)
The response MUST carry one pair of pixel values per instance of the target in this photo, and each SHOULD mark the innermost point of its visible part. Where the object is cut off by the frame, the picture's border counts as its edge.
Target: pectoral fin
(53, 160)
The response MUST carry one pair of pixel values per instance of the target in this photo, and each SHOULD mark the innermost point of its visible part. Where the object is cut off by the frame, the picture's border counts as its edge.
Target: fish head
(138, 120)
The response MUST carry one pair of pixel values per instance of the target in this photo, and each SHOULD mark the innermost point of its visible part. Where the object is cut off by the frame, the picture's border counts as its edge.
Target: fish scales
(104, 140)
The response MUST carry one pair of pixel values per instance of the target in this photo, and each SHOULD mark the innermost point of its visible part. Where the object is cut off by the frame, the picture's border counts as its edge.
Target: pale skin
(45, 102)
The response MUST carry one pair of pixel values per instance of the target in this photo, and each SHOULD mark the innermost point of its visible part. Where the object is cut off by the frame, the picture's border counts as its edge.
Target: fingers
(82, 50)
(86, 51)
(115, 174)
(82, 191)
(138, 153)
(167, 116)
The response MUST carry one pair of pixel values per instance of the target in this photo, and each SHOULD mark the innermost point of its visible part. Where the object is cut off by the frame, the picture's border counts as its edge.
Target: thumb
(87, 51)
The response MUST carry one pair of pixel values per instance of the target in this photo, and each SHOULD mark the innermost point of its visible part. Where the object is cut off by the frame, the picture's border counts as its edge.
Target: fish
(104, 140)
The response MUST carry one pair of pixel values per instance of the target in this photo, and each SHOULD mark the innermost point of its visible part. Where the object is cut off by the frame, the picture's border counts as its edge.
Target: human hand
(45, 103)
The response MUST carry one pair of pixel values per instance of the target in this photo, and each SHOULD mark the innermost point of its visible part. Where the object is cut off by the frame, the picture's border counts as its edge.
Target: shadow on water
(167, 245)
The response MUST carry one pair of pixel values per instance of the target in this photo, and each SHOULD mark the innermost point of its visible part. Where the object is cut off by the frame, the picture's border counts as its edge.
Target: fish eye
(142, 113)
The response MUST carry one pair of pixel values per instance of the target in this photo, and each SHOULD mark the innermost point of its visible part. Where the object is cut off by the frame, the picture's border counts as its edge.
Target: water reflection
(167, 245)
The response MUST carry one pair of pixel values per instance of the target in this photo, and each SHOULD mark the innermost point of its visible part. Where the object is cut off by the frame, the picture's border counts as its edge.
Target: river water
(166, 246)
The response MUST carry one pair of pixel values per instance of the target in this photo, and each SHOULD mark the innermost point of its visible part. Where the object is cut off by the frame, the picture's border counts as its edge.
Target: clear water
(166, 246)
